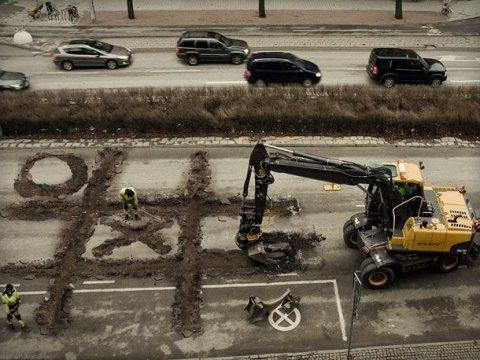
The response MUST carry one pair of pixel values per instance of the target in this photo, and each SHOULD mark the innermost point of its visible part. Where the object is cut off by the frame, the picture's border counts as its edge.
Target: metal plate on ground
(282, 320)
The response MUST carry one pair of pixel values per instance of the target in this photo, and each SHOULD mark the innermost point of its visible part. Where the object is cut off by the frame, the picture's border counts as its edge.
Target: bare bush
(417, 111)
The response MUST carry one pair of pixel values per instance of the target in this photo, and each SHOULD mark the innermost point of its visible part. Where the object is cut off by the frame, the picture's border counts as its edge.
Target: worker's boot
(11, 326)
(22, 324)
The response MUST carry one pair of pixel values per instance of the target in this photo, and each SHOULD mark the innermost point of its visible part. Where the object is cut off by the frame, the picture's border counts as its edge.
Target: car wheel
(389, 82)
(436, 82)
(260, 83)
(376, 278)
(112, 64)
(447, 263)
(307, 83)
(67, 65)
(192, 60)
(236, 59)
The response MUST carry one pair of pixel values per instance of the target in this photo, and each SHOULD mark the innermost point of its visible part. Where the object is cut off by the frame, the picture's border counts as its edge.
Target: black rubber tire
(367, 261)
(67, 65)
(307, 83)
(192, 60)
(435, 82)
(111, 64)
(236, 59)
(447, 263)
(260, 83)
(350, 234)
(389, 81)
(376, 278)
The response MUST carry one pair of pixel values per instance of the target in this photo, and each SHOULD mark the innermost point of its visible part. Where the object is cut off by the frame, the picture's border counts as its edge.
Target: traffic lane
(327, 58)
(422, 307)
(163, 69)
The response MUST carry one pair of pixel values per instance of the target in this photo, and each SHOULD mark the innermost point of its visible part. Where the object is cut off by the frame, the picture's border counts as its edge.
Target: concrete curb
(460, 350)
(303, 141)
(24, 47)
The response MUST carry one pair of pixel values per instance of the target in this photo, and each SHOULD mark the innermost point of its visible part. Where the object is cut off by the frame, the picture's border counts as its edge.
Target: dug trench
(193, 202)
(52, 313)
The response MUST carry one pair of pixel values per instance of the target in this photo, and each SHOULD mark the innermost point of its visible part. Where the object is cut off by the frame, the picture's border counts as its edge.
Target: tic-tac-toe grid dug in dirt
(80, 229)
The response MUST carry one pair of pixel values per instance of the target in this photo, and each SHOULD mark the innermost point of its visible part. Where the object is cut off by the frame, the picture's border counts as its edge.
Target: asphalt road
(132, 317)
(163, 69)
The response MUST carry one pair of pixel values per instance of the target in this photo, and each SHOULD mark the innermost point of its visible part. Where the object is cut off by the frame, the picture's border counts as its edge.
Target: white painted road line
(288, 274)
(93, 282)
(224, 82)
(223, 286)
(340, 312)
(464, 81)
(278, 283)
(156, 288)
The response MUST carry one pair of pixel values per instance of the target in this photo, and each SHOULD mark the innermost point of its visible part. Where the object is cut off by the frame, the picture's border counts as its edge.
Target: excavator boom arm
(262, 164)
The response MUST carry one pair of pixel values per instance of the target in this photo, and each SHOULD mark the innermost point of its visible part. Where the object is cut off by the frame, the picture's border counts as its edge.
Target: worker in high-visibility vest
(11, 305)
(129, 198)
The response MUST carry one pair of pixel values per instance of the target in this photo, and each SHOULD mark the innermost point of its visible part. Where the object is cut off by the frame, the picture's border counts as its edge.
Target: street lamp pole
(398, 9)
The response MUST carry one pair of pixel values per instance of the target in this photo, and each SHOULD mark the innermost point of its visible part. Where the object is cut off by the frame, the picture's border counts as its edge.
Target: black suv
(264, 68)
(206, 46)
(390, 66)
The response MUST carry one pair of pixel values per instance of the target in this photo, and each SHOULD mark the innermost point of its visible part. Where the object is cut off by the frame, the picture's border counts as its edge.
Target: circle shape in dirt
(284, 320)
(26, 187)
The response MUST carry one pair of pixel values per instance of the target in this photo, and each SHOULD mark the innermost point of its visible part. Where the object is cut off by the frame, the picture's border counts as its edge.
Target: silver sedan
(90, 53)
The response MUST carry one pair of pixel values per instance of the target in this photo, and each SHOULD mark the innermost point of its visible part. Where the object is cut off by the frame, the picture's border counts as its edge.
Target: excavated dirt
(49, 315)
(187, 207)
(26, 187)
(146, 233)
(186, 308)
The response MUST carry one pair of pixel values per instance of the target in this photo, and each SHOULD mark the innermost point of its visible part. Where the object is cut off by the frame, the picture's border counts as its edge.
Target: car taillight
(374, 69)
(247, 74)
(55, 56)
(177, 50)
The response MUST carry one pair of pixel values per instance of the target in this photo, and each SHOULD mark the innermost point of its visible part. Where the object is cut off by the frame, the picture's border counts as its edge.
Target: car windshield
(299, 62)
(102, 46)
(424, 63)
(223, 39)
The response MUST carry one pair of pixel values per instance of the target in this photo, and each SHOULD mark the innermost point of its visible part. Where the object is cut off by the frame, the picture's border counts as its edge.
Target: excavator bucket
(269, 254)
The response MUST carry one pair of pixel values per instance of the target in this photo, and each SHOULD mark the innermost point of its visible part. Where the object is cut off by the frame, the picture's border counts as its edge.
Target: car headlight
(318, 74)
(16, 86)
(245, 51)
(129, 50)
(125, 57)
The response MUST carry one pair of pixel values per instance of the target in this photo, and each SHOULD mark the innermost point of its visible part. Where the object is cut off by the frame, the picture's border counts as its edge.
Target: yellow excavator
(406, 224)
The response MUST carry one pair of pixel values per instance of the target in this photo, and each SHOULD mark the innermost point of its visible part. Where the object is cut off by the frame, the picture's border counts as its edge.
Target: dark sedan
(90, 53)
(13, 80)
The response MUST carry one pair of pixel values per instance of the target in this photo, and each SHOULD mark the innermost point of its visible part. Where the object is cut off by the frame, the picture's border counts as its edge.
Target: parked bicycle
(72, 12)
(446, 10)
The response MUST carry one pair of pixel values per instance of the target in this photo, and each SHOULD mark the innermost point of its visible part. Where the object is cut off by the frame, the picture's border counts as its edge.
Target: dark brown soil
(185, 269)
(26, 187)
(50, 314)
(147, 234)
(186, 308)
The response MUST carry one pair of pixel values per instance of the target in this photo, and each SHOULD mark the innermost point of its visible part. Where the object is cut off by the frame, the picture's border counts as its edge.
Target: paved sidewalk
(239, 141)
(461, 350)
(436, 40)
(14, 12)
